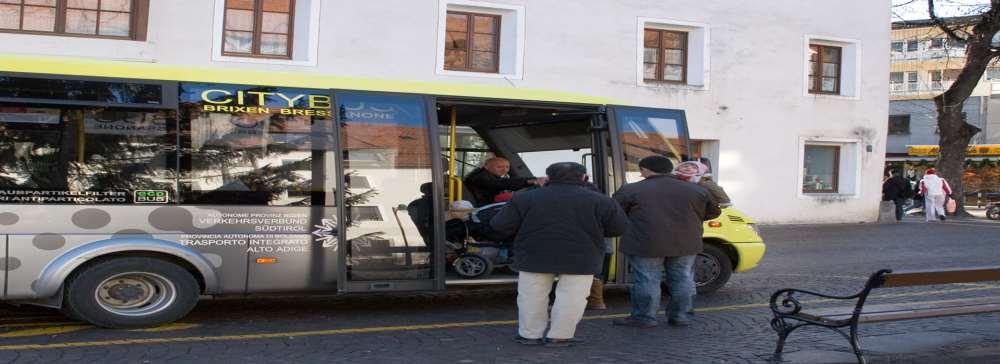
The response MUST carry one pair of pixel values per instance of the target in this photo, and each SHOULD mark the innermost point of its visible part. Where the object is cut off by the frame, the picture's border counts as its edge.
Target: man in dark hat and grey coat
(558, 231)
(666, 216)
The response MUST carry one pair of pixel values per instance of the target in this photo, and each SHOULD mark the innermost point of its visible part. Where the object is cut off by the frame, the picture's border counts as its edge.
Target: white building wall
(752, 99)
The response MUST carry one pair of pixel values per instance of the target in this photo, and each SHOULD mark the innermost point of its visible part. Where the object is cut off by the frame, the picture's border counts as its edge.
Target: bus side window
(87, 156)
(256, 159)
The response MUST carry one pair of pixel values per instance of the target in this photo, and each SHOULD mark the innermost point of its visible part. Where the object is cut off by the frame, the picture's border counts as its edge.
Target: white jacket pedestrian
(935, 190)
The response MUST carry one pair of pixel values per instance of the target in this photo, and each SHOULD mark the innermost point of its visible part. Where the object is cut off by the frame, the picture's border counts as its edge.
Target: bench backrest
(945, 276)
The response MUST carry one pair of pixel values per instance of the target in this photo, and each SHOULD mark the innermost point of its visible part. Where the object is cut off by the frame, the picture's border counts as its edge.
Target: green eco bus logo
(151, 196)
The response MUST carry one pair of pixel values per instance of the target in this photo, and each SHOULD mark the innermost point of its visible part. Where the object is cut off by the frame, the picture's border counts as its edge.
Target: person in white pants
(533, 304)
(558, 231)
(935, 190)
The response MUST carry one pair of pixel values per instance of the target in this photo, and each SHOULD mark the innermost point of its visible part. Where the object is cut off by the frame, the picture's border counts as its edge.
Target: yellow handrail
(457, 195)
(454, 183)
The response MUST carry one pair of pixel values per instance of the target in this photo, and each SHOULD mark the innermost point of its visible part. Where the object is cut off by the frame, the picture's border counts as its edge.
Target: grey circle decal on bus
(132, 233)
(215, 259)
(49, 241)
(10, 263)
(172, 219)
(91, 218)
(8, 218)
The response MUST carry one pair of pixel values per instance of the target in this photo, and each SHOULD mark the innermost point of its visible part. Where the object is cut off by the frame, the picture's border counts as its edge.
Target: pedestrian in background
(935, 190)
(666, 216)
(558, 231)
(896, 189)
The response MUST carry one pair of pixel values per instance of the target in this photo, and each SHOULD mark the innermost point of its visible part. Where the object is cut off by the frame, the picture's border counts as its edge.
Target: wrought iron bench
(789, 314)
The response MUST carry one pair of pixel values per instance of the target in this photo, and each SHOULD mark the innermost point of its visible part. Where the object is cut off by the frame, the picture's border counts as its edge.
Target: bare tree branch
(941, 23)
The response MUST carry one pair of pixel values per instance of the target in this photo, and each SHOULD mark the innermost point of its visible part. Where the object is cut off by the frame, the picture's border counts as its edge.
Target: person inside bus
(479, 219)
(487, 182)
(421, 212)
(558, 230)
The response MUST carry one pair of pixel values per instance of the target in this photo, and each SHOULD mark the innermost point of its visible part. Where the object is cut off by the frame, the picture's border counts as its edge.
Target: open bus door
(640, 132)
(390, 165)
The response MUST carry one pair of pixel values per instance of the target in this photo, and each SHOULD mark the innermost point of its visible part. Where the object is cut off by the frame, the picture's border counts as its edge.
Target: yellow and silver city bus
(127, 191)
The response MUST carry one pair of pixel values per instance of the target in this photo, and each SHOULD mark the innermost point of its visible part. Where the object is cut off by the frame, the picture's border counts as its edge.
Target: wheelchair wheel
(993, 212)
(472, 266)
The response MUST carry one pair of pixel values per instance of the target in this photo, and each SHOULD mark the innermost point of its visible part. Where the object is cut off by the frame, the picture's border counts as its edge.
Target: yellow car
(733, 243)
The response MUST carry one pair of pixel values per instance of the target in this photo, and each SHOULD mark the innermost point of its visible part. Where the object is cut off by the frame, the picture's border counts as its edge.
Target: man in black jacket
(666, 216)
(897, 189)
(487, 182)
(558, 230)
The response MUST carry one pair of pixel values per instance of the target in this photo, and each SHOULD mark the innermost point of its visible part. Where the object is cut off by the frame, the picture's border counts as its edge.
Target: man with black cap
(666, 216)
(558, 231)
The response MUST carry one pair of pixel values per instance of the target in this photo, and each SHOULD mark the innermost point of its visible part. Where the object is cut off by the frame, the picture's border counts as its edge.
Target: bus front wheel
(131, 292)
(712, 269)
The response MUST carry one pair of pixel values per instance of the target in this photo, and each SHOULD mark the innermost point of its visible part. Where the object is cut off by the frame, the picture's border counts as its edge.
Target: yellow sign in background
(974, 150)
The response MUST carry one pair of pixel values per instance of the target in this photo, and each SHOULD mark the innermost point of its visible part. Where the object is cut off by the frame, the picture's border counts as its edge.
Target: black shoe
(941, 217)
(628, 321)
(679, 323)
(562, 343)
(526, 341)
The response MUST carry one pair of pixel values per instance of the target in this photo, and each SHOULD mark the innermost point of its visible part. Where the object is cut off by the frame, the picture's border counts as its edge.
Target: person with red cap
(935, 190)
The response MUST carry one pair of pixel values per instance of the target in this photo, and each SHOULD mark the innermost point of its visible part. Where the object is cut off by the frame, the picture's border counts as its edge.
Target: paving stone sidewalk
(732, 325)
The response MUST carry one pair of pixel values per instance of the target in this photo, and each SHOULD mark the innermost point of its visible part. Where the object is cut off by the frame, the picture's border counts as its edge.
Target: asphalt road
(476, 327)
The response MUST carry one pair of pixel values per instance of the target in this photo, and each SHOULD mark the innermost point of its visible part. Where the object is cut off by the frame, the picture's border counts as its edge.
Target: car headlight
(755, 229)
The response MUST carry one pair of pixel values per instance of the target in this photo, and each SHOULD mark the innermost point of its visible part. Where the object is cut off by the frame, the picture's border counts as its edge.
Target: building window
(897, 46)
(672, 53)
(480, 39)
(937, 43)
(665, 55)
(472, 42)
(911, 46)
(822, 164)
(899, 124)
(258, 28)
(911, 82)
(896, 81)
(824, 69)
(118, 19)
(936, 80)
(992, 73)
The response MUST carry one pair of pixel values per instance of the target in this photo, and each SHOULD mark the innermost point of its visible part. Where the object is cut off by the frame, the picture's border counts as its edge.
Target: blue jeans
(680, 277)
(647, 273)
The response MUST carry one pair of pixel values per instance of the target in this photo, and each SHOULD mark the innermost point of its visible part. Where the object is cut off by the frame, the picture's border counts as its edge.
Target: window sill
(510, 76)
(832, 96)
(275, 61)
(827, 195)
(71, 35)
(672, 85)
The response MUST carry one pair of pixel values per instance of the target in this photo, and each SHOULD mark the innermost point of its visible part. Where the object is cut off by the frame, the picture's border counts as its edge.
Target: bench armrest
(784, 302)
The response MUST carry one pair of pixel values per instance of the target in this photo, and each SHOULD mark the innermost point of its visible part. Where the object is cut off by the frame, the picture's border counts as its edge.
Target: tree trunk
(955, 135)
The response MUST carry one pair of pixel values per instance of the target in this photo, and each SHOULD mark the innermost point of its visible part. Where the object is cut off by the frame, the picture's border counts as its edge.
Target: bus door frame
(621, 272)
(437, 283)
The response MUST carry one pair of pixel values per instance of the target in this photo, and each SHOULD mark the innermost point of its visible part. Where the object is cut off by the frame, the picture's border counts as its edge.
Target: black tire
(993, 213)
(130, 292)
(712, 269)
(470, 266)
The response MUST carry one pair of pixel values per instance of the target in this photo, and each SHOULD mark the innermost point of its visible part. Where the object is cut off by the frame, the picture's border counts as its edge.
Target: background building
(924, 63)
(791, 113)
